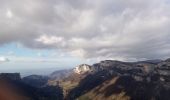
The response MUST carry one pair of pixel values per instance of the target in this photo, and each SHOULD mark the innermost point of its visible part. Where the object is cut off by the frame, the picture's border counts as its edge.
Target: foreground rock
(12, 87)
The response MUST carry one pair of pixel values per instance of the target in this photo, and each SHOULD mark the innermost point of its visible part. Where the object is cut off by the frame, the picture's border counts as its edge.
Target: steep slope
(36, 80)
(127, 88)
(69, 79)
(115, 80)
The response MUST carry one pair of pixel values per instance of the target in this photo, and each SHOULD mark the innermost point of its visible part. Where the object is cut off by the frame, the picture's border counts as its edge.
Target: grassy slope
(99, 93)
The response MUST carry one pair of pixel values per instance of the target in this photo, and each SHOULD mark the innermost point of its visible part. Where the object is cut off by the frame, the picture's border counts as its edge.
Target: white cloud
(80, 53)
(9, 14)
(48, 40)
(118, 29)
(3, 59)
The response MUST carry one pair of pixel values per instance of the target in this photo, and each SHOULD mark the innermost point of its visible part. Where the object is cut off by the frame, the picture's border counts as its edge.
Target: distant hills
(106, 80)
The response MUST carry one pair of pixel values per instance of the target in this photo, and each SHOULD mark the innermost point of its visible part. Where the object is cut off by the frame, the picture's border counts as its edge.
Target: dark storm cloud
(89, 28)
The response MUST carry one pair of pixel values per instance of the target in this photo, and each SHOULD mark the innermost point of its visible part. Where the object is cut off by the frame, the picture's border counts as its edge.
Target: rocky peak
(167, 60)
(83, 68)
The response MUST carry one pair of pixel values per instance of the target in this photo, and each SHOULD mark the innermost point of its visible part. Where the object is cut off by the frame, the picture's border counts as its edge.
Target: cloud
(131, 29)
(3, 59)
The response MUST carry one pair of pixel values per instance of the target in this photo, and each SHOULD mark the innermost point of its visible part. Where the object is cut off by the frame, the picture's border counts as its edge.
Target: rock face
(82, 69)
(116, 80)
(167, 60)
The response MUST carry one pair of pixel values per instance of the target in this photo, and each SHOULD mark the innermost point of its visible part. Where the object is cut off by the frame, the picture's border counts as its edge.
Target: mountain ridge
(106, 80)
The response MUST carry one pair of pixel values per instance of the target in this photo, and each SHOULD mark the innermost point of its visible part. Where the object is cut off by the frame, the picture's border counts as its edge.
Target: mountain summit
(83, 68)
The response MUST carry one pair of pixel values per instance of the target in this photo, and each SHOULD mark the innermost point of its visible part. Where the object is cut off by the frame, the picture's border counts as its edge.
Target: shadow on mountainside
(136, 90)
(88, 83)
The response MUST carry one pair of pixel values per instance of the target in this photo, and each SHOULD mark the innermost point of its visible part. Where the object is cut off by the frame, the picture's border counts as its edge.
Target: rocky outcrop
(167, 60)
(144, 80)
(82, 69)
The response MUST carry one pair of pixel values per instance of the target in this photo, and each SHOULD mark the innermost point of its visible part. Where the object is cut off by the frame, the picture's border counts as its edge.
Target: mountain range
(106, 80)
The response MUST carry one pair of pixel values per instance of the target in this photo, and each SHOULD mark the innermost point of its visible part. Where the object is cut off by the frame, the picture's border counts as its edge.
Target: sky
(58, 34)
